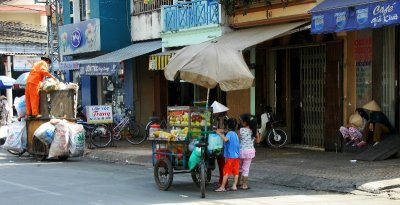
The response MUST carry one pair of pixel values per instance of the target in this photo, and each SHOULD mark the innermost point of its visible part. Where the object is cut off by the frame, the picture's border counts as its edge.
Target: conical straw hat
(218, 107)
(356, 120)
(372, 106)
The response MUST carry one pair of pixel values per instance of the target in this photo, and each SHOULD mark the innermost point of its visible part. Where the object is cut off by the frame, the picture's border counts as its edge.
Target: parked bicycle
(133, 132)
(155, 120)
(270, 134)
(90, 129)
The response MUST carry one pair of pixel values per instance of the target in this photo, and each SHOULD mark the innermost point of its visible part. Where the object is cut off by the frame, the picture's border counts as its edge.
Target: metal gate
(313, 61)
(388, 73)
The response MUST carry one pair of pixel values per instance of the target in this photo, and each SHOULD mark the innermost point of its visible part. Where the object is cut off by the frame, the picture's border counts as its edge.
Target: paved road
(84, 181)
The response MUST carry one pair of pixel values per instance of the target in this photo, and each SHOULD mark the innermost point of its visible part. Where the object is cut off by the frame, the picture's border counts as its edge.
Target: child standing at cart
(248, 134)
(231, 154)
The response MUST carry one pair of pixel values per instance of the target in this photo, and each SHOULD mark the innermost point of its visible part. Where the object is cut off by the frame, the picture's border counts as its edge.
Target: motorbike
(270, 134)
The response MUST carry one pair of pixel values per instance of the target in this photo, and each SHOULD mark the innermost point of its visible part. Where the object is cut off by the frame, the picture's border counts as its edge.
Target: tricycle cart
(59, 104)
(171, 152)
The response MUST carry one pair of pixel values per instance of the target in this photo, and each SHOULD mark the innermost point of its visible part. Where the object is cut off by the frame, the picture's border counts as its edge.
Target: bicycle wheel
(136, 134)
(202, 170)
(196, 176)
(100, 136)
(276, 139)
(163, 173)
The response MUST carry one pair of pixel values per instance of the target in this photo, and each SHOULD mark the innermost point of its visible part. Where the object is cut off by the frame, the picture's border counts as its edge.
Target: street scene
(199, 101)
(93, 181)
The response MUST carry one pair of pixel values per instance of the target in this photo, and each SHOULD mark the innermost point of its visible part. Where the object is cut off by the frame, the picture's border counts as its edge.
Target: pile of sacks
(65, 138)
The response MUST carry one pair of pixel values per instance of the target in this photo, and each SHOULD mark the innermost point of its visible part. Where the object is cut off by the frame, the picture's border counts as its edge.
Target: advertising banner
(373, 15)
(80, 37)
(24, 63)
(97, 114)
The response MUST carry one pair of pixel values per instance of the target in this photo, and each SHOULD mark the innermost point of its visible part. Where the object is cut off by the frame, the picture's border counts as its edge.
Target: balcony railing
(190, 14)
(145, 6)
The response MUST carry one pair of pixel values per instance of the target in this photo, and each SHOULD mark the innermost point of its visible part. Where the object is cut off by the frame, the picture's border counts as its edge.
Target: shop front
(113, 78)
(369, 31)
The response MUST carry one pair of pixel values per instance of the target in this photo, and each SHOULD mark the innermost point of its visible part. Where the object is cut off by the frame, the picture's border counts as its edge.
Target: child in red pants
(231, 154)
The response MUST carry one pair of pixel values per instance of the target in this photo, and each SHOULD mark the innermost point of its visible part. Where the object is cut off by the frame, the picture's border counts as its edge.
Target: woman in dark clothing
(220, 119)
(377, 125)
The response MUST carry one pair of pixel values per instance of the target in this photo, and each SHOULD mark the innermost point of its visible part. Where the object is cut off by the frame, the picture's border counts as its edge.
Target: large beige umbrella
(209, 64)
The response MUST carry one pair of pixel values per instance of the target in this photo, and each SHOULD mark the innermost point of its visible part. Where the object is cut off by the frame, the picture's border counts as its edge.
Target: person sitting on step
(377, 126)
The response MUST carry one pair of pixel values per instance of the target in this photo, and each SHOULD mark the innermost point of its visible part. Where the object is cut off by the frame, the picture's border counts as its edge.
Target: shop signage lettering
(98, 69)
(371, 15)
(99, 114)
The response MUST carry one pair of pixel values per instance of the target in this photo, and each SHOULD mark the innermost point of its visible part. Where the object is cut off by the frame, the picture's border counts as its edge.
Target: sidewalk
(316, 170)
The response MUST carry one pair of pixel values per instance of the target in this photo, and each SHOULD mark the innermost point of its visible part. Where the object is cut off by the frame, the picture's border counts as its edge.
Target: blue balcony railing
(190, 14)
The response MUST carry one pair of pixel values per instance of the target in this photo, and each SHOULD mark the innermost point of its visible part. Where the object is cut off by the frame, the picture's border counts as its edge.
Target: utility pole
(54, 20)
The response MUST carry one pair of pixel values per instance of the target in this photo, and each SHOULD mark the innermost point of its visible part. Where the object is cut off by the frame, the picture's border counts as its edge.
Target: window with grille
(71, 7)
(82, 9)
(144, 6)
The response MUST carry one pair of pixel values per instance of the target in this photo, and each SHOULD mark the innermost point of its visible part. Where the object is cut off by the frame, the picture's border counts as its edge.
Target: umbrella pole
(208, 96)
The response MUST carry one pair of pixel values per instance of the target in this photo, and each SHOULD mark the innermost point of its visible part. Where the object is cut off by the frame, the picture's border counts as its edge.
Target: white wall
(146, 26)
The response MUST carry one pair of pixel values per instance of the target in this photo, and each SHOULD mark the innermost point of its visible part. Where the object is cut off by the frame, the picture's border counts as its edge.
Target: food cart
(58, 104)
(172, 148)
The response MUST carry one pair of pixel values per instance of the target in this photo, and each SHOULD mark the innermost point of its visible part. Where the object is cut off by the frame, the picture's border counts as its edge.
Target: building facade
(22, 38)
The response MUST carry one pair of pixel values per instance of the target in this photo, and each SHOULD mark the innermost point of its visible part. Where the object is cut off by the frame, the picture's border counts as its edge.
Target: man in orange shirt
(36, 76)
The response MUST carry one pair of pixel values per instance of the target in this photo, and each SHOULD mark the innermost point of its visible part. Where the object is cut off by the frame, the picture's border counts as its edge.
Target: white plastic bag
(214, 142)
(50, 85)
(72, 86)
(45, 133)
(16, 139)
(77, 140)
(3, 131)
(20, 106)
(59, 146)
(61, 86)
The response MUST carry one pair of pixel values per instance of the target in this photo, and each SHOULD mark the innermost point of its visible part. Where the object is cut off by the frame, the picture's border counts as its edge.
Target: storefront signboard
(96, 114)
(80, 37)
(98, 69)
(24, 63)
(373, 15)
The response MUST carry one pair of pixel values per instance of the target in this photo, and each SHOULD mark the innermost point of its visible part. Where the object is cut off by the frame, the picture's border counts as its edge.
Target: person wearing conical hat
(377, 126)
(220, 119)
(352, 132)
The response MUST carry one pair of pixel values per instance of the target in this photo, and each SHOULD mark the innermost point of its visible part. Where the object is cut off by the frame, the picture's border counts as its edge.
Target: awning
(197, 57)
(160, 60)
(244, 38)
(109, 63)
(343, 15)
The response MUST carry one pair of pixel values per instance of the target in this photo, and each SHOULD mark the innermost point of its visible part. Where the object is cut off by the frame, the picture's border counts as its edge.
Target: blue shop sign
(98, 69)
(372, 15)
(82, 37)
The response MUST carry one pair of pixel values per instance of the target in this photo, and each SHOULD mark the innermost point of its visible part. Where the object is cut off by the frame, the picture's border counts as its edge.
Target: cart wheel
(40, 149)
(62, 158)
(163, 173)
(196, 176)
(18, 153)
(202, 179)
